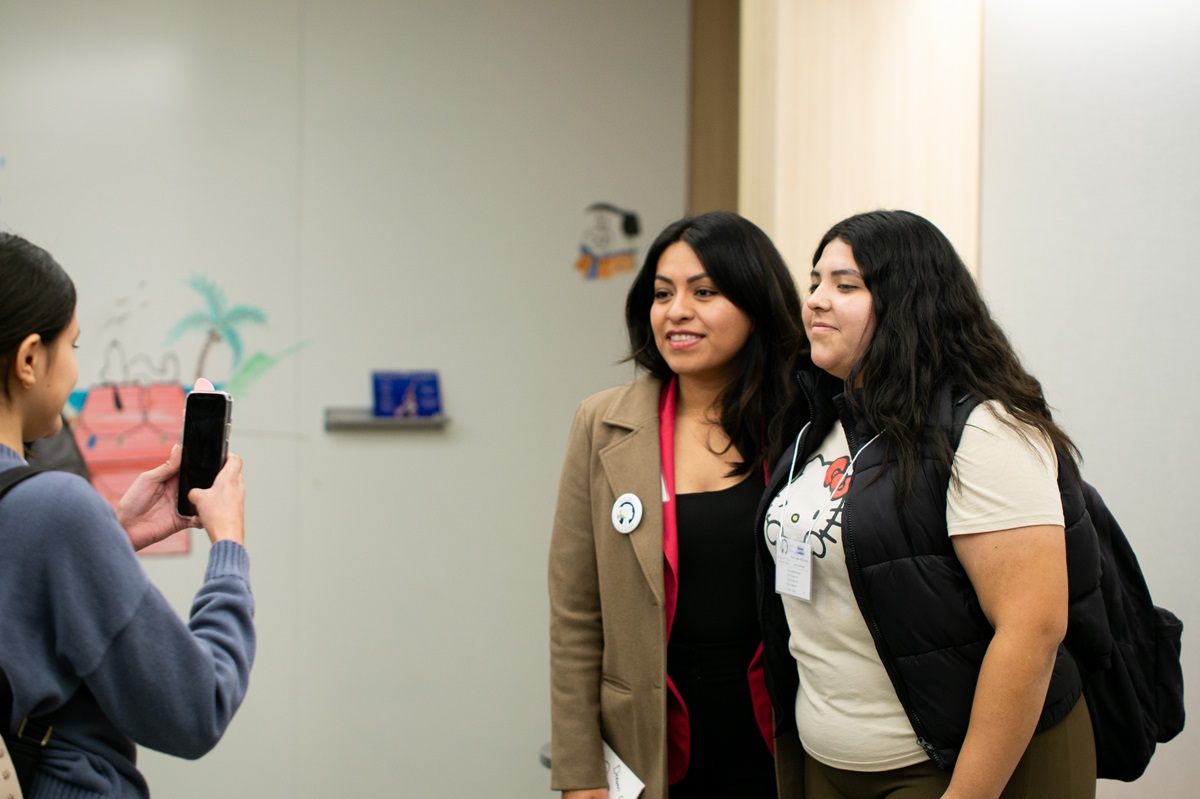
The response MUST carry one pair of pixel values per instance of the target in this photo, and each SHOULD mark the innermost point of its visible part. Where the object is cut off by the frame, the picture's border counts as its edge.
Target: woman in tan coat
(654, 637)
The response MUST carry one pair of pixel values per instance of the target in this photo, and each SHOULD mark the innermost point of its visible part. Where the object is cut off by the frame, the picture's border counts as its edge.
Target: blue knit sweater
(84, 633)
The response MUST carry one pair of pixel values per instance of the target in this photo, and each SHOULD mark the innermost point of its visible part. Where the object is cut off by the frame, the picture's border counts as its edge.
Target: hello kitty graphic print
(809, 509)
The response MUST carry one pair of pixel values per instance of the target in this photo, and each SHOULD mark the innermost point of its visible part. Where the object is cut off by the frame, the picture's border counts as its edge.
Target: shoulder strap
(10, 477)
(955, 408)
(23, 754)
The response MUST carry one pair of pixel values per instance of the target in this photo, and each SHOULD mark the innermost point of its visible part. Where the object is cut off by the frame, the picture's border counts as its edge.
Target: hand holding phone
(206, 423)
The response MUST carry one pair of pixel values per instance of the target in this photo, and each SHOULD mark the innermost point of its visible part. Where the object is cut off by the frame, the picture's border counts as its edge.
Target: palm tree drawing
(217, 321)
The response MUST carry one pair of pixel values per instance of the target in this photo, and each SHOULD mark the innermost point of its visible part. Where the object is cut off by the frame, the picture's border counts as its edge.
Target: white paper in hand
(622, 783)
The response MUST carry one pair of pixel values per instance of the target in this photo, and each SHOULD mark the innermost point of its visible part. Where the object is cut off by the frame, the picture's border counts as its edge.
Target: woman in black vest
(914, 585)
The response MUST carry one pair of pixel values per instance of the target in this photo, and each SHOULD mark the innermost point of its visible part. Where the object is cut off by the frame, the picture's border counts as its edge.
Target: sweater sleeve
(166, 684)
(175, 688)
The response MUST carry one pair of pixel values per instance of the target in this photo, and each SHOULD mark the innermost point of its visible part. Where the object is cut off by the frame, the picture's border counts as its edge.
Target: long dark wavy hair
(746, 268)
(932, 327)
(36, 296)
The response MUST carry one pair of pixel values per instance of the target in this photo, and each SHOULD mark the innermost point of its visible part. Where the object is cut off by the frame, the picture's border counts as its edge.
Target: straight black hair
(36, 296)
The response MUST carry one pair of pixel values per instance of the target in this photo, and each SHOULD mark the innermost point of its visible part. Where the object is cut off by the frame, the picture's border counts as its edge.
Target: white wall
(1089, 220)
(399, 185)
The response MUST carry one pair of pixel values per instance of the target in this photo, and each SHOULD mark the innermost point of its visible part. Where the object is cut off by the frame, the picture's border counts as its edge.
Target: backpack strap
(956, 407)
(10, 477)
(24, 748)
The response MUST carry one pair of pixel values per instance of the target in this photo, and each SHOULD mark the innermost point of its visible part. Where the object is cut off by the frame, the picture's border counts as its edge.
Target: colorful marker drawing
(599, 258)
(128, 422)
(218, 322)
(125, 429)
(255, 367)
(593, 265)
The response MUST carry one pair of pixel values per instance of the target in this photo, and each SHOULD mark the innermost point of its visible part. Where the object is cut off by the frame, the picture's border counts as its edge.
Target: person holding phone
(653, 629)
(92, 655)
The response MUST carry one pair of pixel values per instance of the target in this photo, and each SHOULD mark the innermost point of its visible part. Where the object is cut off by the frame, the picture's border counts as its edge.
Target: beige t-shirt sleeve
(1007, 477)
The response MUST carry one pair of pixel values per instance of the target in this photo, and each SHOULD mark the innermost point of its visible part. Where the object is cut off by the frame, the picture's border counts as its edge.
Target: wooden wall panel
(852, 106)
(713, 108)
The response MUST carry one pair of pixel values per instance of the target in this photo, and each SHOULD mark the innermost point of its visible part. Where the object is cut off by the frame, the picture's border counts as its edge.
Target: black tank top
(716, 606)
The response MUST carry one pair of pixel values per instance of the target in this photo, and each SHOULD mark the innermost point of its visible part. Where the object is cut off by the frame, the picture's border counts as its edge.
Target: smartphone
(206, 422)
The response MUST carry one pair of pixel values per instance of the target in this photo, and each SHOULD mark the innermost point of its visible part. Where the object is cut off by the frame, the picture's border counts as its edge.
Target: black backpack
(1134, 690)
(1137, 702)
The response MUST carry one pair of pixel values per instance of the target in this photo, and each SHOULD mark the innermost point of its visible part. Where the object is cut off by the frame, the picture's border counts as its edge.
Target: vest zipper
(759, 567)
(855, 571)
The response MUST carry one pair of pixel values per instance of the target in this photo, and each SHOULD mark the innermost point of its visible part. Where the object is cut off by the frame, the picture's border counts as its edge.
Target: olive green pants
(1059, 763)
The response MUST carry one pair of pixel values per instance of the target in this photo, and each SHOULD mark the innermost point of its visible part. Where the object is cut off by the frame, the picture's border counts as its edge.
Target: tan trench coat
(608, 668)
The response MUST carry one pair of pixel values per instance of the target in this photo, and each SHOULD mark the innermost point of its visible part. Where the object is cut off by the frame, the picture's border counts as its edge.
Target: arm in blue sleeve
(175, 687)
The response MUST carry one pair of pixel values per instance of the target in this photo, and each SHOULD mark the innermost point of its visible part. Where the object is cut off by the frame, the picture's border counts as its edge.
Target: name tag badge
(793, 568)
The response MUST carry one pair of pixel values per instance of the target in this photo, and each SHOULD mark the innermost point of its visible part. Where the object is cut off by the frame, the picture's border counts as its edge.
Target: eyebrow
(838, 273)
(691, 279)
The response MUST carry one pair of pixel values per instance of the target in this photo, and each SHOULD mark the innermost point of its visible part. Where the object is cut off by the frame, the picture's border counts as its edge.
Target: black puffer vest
(918, 603)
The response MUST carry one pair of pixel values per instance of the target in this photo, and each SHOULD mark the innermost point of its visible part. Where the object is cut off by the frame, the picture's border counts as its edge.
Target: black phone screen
(205, 442)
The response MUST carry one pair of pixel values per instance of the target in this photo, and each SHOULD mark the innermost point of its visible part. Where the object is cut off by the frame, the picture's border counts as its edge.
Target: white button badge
(627, 513)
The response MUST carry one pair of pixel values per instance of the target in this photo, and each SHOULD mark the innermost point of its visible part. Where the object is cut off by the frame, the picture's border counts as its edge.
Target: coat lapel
(632, 464)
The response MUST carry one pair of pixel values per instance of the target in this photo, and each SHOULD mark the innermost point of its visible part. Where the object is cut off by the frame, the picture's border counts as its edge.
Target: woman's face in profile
(838, 313)
(697, 329)
(57, 376)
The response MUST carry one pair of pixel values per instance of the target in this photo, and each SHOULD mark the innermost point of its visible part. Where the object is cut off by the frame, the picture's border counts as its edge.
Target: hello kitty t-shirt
(847, 711)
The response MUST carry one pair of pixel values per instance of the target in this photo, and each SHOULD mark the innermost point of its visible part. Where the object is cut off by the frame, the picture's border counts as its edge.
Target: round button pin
(627, 513)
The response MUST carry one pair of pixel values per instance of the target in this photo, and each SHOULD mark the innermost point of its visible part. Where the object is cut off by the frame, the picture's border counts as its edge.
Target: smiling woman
(654, 635)
(838, 313)
(698, 331)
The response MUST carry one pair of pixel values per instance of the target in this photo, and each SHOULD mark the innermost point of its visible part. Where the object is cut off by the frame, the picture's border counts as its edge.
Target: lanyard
(787, 492)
